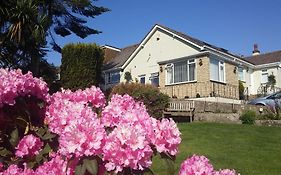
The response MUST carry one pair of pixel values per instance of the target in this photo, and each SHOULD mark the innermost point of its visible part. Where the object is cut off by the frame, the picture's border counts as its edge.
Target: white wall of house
(256, 77)
(161, 46)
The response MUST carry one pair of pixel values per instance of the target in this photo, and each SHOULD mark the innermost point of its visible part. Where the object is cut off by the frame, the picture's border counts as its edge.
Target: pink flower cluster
(127, 146)
(80, 130)
(167, 137)
(15, 170)
(92, 95)
(200, 165)
(56, 166)
(13, 84)
(29, 145)
(134, 135)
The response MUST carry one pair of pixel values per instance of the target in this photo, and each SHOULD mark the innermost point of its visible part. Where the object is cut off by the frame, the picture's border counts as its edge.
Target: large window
(264, 76)
(217, 70)
(183, 71)
(113, 77)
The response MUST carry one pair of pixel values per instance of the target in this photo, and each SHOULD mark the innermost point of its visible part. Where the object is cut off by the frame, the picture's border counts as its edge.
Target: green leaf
(46, 149)
(170, 166)
(91, 166)
(40, 131)
(80, 170)
(148, 171)
(4, 152)
(48, 136)
(14, 137)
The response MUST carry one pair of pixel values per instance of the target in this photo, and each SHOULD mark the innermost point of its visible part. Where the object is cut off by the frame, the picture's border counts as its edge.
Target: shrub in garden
(153, 99)
(248, 117)
(81, 65)
(80, 134)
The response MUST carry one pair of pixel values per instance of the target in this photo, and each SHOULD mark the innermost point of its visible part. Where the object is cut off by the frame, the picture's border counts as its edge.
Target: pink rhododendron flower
(92, 95)
(127, 146)
(167, 137)
(29, 145)
(15, 170)
(80, 130)
(56, 166)
(13, 84)
(225, 172)
(124, 109)
(196, 165)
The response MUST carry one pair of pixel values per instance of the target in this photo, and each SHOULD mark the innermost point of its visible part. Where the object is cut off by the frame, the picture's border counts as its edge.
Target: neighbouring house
(264, 65)
(184, 67)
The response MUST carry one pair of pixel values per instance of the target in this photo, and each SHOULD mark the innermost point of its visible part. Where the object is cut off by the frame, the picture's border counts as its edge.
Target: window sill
(186, 82)
(220, 82)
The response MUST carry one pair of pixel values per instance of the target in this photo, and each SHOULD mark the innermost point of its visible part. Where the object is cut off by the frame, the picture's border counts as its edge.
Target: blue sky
(231, 24)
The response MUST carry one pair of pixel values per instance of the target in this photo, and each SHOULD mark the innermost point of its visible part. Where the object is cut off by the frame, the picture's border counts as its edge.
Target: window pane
(192, 72)
(155, 81)
(115, 77)
(264, 77)
(154, 78)
(214, 69)
(142, 80)
(170, 75)
(240, 73)
(180, 69)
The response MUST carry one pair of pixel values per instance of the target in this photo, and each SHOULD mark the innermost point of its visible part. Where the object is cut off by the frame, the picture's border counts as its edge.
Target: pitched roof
(266, 58)
(197, 41)
(121, 58)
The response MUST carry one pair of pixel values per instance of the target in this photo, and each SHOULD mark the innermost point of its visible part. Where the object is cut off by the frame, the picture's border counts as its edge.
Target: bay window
(182, 71)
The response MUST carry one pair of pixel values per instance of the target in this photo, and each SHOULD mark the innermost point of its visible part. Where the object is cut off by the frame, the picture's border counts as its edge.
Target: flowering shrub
(14, 84)
(29, 145)
(200, 165)
(79, 134)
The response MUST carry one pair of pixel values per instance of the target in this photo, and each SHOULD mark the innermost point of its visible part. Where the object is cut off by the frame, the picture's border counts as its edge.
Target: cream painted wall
(160, 47)
(256, 78)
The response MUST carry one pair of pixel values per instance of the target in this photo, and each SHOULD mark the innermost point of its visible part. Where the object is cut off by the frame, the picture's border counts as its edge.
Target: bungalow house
(182, 66)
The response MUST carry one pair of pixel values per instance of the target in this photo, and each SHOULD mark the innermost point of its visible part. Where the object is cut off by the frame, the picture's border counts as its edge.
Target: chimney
(256, 50)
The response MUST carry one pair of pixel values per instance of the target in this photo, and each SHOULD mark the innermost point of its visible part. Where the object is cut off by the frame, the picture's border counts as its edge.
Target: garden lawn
(250, 150)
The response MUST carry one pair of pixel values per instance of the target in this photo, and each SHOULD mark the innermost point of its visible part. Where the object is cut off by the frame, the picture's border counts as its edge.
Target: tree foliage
(25, 26)
(81, 65)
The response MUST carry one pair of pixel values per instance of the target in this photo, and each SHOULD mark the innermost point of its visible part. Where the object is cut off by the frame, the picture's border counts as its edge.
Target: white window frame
(172, 68)
(220, 63)
(264, 72)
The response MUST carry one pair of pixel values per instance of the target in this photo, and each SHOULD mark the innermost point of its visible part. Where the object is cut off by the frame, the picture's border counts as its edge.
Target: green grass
(250, 150)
